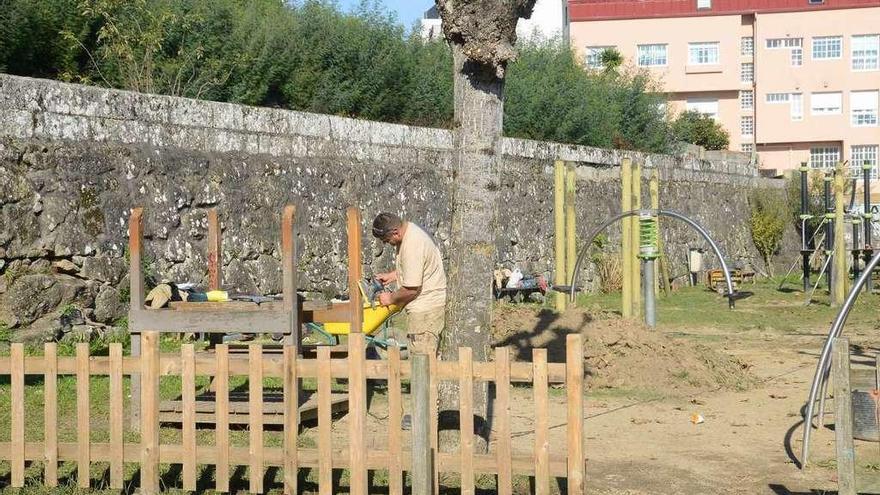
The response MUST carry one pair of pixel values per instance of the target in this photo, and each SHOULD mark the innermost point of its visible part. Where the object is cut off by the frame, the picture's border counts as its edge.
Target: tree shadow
(782, 490)
(524, 341)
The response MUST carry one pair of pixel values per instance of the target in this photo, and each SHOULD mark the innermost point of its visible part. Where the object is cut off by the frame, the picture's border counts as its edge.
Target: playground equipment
(647, 249)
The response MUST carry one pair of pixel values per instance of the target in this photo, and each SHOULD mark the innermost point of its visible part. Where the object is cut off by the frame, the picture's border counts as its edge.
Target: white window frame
(747, 76)
(796, 110)
(822, 48)
(746, 99)
(863, 108)
(826, 109)
(864, 52)
(777, 43)
(704, 4)
(746, 126)
(747, 45)
(649, 55)
(747, 147)
(593, 56)
(704, 53)
(860, 153)
(797, 57)
(700, 105)
(824, 157)
(776, 98)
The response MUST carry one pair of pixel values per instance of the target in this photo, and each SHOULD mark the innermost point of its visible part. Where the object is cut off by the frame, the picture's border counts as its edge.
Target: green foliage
(815, 201)
(309, 55)
(611, 58)
(769, 214)
(5, 333)
(695, 128)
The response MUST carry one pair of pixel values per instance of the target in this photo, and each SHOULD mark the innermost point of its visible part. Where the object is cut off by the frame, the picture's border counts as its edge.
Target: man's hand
(387, 278)
(385, 298)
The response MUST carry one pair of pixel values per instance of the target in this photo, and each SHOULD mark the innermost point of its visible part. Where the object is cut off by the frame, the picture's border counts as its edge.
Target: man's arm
(387, 277)
(401, 297)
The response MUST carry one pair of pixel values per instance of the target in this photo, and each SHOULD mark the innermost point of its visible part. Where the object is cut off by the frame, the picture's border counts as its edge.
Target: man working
(421, 282)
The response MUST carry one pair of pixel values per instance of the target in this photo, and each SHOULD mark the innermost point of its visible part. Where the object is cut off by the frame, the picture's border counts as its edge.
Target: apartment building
(792, 80)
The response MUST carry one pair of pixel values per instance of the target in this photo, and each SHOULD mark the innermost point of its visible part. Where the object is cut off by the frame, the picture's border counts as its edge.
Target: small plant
(5, 333)
(767, 222)
(702, 130)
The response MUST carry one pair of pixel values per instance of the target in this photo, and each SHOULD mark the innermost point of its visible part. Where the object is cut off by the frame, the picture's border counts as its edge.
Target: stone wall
(74, 160)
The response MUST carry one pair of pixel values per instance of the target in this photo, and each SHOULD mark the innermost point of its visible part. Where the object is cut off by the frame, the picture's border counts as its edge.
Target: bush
(769, 214)
(695, 128)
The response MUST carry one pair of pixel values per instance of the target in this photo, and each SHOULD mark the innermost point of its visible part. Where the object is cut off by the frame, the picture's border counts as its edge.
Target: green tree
(695, 128)
(768, 219)
(611, 58)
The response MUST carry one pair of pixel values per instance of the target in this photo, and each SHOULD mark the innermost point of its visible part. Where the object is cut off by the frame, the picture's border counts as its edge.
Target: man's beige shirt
(419, 263)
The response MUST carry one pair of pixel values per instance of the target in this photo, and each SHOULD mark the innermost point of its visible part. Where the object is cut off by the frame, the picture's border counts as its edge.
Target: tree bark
(478, 119)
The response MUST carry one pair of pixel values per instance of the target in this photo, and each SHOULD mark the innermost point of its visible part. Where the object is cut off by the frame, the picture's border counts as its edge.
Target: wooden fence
(543, 463)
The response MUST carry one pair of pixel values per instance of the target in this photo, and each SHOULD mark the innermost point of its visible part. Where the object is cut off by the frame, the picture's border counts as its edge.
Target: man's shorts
(424, 329)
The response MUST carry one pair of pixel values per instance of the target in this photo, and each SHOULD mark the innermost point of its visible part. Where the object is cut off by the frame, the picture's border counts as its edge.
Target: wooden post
(149, 412)
(255, 417)
(574, 386)
(288, 268)
(570, 216)
(395, 411)
(661, 279)
(354, 270)
(466, 418)
(291, 421)
(221, 428)
(357, 414)
(50, 415)
(840, 278)
(636, 273)
(136, 302)
(17, 413)
(117, 454)
(325, 432)
(502, 418)
(626, 239)
(559, 231)
(83, 417)
(541, 391)
(422, 458)
(188, 396)
(215, 277)
(843, 426)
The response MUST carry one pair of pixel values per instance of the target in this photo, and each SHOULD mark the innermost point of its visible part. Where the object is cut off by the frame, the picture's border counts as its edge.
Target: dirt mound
(620, 353)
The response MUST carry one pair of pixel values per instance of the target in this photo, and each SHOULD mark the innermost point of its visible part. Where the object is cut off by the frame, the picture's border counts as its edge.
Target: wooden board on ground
(171, 411)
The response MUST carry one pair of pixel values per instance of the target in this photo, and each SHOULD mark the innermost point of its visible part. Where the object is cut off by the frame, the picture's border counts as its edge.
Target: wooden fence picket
(149, 361)
(541, 392)
(574, 386)
(502, 416)
(83, 417)
(221, 427)
(117, 454)
(255, 416)
(17, 413)
(291, 421)
(188, 396)
(325, 439)
(50, 415)
(466, 418)
(395, 410)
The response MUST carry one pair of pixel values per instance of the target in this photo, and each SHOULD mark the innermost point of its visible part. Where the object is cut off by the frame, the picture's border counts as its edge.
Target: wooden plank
(116, 413)
(50, 415)
(336, 312)
(325, 438)
(188, 395)
(357, 413)
(421, 470)
(434, 413)
(17, 413)
(291, 421)
(395, 411)
(542, 422)
(170, 321)
(221, 432)
(136, 296)
(353, 228)
(502, 417)
(843, 420)
(150, 413)
(312, 305)
(82, 415)
(466, 406)
(574, 387)
(288, 271)
(255, 399)
(215, 263)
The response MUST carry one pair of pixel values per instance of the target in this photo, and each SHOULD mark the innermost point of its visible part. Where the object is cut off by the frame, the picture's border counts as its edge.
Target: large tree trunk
(478, 119)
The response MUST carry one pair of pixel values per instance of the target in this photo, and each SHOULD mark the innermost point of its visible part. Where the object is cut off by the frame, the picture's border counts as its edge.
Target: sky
(408, 11)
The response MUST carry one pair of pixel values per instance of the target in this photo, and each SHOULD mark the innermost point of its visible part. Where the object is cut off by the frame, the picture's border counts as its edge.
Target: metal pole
(867, 217)
(805, 215)
(422, 457)
(648, 290)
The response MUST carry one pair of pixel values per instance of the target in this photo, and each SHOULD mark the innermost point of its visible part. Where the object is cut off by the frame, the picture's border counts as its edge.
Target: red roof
(595, 10)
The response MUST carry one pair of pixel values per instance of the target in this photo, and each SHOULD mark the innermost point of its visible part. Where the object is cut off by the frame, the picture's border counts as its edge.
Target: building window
(705, 106)
(594, 56)
(815, 2)
(827, 47)
(703, 53)
(865, 51)
(747, 45)
(865, 154)
(747, 125)
(747, 147)
(797, 106)
(824, 156)
(863, 106)
(652, 55)
(825, 103)
(777, 97)
(747, 72)
(784, 43)
(704, 4)
(746, 100)
(797, 57)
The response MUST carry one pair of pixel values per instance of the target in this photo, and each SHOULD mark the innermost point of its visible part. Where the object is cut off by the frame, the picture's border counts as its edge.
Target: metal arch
(824, 363)
(673, 214)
